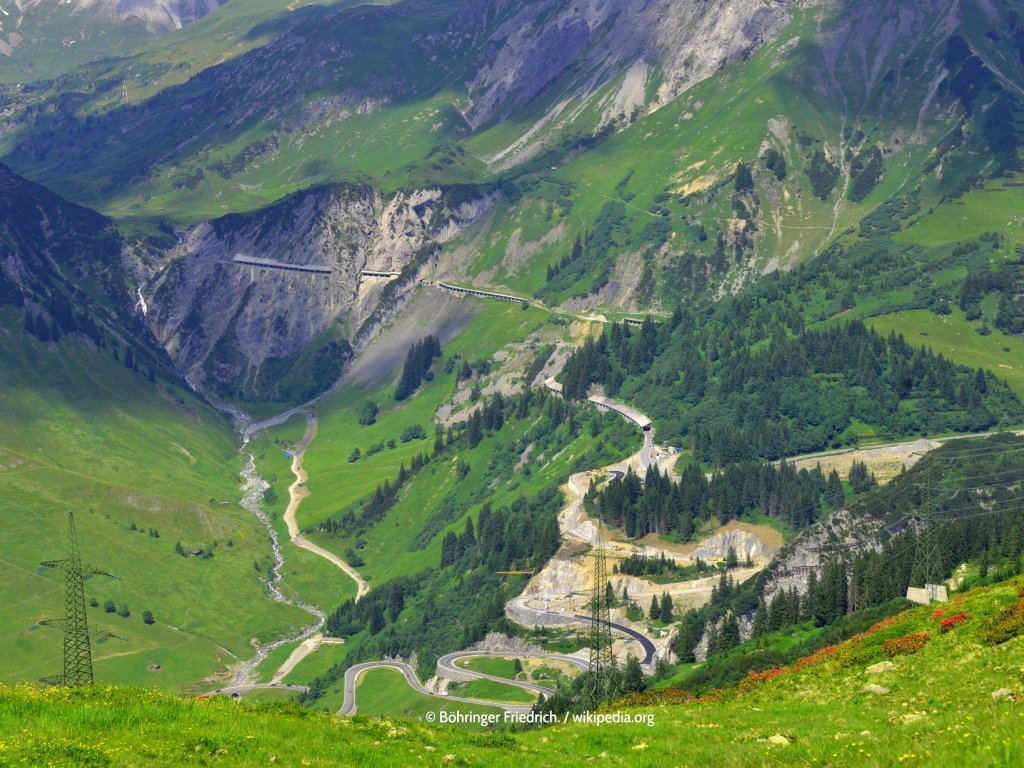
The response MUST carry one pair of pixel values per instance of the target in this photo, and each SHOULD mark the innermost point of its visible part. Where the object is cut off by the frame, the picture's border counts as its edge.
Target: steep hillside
(275, 334)
(156, 15)
(44, 38)
(647, 162)
(93, 419)
(954, 702)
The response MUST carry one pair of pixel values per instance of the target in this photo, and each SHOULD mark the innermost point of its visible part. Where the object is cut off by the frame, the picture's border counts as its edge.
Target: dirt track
(297, 491)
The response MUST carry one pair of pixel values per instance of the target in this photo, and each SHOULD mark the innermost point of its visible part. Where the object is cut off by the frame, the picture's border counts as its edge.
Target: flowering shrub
(1006, 626)
(820, 655)
(952, 622)
(755, 679)
(907, 645)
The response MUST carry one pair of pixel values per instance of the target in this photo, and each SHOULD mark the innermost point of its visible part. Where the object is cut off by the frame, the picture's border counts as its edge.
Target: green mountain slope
(951, 703)
(94, 420)
(41, 40)
(717, 173)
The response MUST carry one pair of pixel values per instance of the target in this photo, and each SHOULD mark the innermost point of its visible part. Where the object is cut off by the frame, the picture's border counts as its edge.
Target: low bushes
(1007, 625)
(907, 645)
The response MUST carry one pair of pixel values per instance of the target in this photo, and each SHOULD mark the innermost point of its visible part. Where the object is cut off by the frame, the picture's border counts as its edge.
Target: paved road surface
(447, 668)
(348, 706)
(648, 646)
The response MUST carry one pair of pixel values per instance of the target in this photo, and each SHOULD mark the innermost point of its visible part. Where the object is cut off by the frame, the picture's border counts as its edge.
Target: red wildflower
(954, 621)
(906, 645)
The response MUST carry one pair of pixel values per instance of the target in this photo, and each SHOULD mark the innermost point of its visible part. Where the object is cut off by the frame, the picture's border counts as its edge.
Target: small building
(928, 594)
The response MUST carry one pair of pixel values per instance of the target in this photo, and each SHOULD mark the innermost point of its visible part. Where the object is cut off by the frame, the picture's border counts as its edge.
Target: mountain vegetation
(743, 490)
(775, 229)
(417, 366)
(750, 380)
(959, 505)
(818, 708)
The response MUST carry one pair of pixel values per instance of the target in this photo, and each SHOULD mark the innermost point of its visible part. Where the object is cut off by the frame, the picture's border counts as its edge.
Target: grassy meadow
(383, 692)
(144, 467)
(938, 708)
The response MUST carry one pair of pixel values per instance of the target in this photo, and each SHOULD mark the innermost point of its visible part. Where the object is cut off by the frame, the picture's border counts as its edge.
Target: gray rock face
(743, 543)
(203, 305)
(838, 532)
(157, 15)
(590, 42)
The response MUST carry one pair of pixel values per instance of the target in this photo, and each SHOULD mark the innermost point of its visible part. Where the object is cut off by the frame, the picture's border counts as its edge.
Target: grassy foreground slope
(384, 693)
(939, 711)
(81, 431)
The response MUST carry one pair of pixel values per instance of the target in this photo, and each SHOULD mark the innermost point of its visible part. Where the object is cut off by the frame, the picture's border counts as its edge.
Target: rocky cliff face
(157, 15)
(590, 42)
(221, 320)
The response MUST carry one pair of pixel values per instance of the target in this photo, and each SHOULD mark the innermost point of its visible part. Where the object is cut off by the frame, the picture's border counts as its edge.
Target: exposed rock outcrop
(591, 42)
(157, 15)
(202, 300)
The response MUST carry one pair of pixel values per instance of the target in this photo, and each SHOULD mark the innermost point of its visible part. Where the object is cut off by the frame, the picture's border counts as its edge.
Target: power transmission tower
(75, 624)
(927, 553)
(602, 659)
(927, 564)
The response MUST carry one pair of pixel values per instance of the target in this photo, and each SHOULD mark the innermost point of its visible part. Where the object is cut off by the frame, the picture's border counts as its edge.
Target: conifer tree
(666, 607)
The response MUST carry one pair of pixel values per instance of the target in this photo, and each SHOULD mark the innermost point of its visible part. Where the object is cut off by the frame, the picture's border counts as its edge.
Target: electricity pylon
(75, 624)
(602, 659)
(927, 565)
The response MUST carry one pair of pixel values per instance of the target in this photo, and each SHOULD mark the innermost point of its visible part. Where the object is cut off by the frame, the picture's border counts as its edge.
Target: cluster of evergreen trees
(731, 401)
(659, 505)
(589, 264)
(489, 418)
(1007, 282)
(824, 601)
(454, 605)
(650, 565)
(417, 366)
(608, 359)
(520, 536)
(662, 610)
(960, 504)
(63, 320)
(574, 255)
(503, 539)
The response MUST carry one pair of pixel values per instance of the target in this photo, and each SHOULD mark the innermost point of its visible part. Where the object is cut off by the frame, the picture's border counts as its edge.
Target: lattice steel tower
(602, 659)
(75, 624)
(927, 555)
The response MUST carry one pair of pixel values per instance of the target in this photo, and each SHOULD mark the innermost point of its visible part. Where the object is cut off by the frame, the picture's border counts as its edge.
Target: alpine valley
(512, 382)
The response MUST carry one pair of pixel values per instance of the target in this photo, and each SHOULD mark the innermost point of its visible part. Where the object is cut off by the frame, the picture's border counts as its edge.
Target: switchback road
(348, 706)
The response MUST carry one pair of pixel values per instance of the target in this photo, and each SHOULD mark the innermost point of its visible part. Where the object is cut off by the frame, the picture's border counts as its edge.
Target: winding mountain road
(446, 665)
(649, 648)
(448, 669)
(352, 674)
